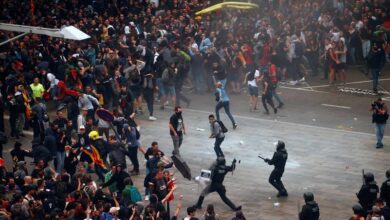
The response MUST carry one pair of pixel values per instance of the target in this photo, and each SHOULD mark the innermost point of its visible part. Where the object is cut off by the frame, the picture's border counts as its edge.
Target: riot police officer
(218, 172)
(368, 193)
(385, 189)
(310, 211)
(279, 161)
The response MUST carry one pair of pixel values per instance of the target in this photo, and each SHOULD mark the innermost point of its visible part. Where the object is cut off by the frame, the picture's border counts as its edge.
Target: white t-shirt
(253, 82)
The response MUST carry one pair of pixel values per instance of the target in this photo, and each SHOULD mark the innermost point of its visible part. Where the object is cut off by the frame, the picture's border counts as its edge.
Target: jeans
(160, 86)
(217, 146)
(375, 78)
(276, 96)
(197, 76)
(60, 158)
(366, 45)
(177, 141)
(226, 106)
(379, 132)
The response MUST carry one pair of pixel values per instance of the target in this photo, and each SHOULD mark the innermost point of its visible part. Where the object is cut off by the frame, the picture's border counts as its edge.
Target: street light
(69, 32)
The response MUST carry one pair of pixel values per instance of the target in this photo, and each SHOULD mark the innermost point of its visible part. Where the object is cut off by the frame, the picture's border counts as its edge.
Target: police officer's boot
(199, 203)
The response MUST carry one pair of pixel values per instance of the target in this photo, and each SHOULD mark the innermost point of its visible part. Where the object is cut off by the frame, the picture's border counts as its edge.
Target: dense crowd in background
(145, 51)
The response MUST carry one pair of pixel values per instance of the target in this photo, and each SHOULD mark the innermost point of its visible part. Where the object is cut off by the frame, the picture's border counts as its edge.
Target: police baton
(261, 157)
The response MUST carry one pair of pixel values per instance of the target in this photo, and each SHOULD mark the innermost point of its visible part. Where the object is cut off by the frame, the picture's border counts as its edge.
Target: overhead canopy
(70, 32)
(235, 5)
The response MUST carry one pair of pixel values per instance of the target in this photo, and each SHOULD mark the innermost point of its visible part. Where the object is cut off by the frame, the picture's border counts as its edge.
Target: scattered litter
(242, 142)
(355, 119)
(269, 197)
(276, 205)
(313, 119)
(200, 129)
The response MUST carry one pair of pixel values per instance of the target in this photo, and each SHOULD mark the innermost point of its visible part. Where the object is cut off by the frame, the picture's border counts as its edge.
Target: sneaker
(152, 118)
(280, 105)
(275, 110)
(235, 126)
(302, 80)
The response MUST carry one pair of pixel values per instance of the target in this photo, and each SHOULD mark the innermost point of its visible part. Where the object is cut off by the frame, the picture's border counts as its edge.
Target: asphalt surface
(311, 107)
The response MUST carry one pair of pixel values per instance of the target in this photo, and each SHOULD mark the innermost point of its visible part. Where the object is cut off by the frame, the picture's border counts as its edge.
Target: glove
(266, 160)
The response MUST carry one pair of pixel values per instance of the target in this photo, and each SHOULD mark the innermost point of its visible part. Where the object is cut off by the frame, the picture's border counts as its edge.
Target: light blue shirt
(223, 95)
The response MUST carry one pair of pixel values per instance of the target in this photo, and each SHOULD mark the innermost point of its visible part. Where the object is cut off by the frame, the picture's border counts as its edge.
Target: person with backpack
(274, 82)
(223, 101)
(130, 194)
(218, 134)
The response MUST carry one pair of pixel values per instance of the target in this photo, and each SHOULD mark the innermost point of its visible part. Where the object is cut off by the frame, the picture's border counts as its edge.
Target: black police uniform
(385, 189)
(218, 171)
(279, 161)
(368, 194)
(310, 211)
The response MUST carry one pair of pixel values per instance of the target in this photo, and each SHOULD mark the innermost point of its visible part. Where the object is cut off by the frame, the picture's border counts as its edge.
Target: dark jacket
(50, 141)
(385, 192)
(279, 159)
(368, 194)
(118, 155)
(310, 211)
(40, 152)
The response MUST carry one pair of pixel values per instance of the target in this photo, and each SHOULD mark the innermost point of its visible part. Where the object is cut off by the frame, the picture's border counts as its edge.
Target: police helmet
(221, 161)
(388, 173)
(357, 209)
(308, 196)
(280, 145)
(368, 177)
(93, 135)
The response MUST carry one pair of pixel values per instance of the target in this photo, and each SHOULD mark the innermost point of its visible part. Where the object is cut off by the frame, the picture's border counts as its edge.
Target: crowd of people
(146, 51)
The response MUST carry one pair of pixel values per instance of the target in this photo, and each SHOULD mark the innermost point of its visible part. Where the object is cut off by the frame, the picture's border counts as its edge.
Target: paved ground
(328, 134)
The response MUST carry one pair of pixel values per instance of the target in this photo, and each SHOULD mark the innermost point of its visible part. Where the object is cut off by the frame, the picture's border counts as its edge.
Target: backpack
(223, 127)
(251, 75)
(167, 76)
(135, 195)
(3, 138)
(273, 74)
(134, 75)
